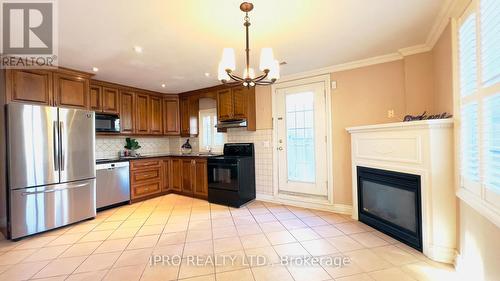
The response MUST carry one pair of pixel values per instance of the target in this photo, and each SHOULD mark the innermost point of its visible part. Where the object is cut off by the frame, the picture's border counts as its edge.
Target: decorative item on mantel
(424, 116)
(132, 145)
(268, 64)
(186, 148)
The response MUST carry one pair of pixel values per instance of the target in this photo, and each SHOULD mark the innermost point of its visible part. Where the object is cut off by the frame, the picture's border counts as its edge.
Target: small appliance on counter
(186, 148)
(112, 184)
(231, 177)
(106, 123)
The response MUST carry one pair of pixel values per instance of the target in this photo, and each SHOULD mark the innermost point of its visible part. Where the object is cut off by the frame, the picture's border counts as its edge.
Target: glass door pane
(300, 137)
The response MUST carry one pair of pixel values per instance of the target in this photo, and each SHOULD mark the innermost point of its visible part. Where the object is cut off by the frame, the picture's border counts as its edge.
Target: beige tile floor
(119, 243)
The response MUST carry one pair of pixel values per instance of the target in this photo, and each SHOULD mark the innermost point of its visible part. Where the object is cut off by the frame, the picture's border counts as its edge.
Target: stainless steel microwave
(107, 123)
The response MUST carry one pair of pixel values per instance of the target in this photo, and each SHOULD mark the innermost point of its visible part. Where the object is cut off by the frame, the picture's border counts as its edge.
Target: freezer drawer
(43, 208)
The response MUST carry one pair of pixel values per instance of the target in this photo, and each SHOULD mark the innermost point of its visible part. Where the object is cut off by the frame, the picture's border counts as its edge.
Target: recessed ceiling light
(163, 85)
(138, 49)
(207, 74)
(95, 69)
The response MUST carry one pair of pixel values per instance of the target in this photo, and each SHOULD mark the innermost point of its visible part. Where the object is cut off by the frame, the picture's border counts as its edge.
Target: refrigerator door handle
(61, 144)
(55, 137)
(25, 193)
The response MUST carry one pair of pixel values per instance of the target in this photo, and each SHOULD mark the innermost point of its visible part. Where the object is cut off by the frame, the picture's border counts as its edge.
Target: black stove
(231, 177)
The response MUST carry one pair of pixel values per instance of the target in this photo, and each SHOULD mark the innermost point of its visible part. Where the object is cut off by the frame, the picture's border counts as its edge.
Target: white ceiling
(184, 39)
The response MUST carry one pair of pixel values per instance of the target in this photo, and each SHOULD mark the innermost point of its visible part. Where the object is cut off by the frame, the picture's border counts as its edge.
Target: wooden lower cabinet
(200, 179)
(187, 174)
(176, 175)
(153, 177)
(145, 178)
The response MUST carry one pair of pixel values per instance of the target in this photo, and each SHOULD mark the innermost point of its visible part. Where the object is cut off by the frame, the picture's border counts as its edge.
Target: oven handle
(216, 165)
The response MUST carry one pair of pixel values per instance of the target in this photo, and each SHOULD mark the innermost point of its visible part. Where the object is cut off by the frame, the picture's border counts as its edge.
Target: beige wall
(362, 97)
(443, 74)
(479, 246)
(419, 83)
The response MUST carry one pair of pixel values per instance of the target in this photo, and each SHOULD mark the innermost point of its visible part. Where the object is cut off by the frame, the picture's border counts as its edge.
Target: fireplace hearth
(391, 203)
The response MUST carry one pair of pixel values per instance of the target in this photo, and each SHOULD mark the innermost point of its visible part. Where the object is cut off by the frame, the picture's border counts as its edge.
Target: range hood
(234, 123)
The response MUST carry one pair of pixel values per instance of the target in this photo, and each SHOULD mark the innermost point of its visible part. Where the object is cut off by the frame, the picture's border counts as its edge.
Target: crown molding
(417, 49)
(344, 66)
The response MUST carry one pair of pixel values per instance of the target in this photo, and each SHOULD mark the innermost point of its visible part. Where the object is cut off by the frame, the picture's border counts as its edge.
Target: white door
(301, 131)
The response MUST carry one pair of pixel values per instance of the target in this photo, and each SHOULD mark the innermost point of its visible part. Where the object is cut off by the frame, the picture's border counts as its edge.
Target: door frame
(325, 79)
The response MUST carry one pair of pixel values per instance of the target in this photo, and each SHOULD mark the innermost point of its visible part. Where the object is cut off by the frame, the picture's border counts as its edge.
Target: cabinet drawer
(145, 189)
(138, 164)
(146, 175)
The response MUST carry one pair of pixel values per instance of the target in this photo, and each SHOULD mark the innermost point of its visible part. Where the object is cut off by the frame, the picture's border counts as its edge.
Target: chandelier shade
(268, 64)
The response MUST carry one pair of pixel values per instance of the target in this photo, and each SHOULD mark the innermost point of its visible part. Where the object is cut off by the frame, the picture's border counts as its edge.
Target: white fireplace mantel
(423, 148)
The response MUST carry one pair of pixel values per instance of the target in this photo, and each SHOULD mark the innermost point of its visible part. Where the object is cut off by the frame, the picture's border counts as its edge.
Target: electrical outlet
(390, 113)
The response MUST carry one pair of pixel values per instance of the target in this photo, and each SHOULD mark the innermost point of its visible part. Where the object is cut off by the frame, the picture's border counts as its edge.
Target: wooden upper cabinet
(171, 116)
(127, 112)
(71, 90)
(224, 105)
(155, 115)
(95, 98)
(141, 113)
(240, 102)
(110, 100)
(194, 109)
(200, 178)
(184, 113)
(29, 86)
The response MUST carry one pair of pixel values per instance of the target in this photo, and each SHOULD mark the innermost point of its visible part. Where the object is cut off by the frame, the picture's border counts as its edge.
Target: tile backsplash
(109, 146)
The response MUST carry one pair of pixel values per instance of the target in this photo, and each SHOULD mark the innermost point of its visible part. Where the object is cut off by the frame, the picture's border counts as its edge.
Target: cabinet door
(127, 112)
(194, 109)
(200, 178)
(110, 100)
(187, 176)
(224, 105)
(141, 113)
(171, 116)
(184, 110)
(155, 115)
(95, 98)
(32, 86)
(176, 175)
(166, 181)
(240, 102)
(71, 90)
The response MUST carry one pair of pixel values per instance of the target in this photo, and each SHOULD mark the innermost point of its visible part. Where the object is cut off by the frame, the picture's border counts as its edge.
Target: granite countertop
(147, 156)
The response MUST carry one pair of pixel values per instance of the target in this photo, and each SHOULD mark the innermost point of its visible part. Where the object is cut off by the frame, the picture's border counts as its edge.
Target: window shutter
(492, 142)
(467, 53)
(469, 144)
(490, 42)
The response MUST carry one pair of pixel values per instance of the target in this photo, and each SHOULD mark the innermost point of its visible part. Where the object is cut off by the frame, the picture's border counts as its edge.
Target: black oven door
(223, 176)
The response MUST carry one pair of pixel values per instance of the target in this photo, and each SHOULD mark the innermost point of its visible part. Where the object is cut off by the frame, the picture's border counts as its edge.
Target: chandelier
(268, 65)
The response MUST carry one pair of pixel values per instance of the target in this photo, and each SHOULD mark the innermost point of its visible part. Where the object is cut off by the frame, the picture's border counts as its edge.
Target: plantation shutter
(467, 49)
(490, 42)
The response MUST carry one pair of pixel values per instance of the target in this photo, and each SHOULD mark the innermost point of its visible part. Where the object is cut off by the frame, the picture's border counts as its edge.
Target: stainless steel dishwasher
(112, 184)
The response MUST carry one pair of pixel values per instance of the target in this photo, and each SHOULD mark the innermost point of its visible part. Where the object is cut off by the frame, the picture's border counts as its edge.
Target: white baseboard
(442, 254)
(336, 208)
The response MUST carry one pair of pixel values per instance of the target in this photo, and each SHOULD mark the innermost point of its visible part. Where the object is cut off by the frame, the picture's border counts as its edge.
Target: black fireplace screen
(390, 202)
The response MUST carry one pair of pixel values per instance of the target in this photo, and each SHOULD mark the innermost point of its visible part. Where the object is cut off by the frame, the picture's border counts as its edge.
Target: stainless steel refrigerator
(51, 167)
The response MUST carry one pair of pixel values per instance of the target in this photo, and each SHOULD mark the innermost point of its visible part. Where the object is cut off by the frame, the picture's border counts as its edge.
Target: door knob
(280, 148)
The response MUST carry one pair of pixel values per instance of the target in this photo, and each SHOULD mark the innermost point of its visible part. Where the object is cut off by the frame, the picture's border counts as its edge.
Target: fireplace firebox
(391, 203)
